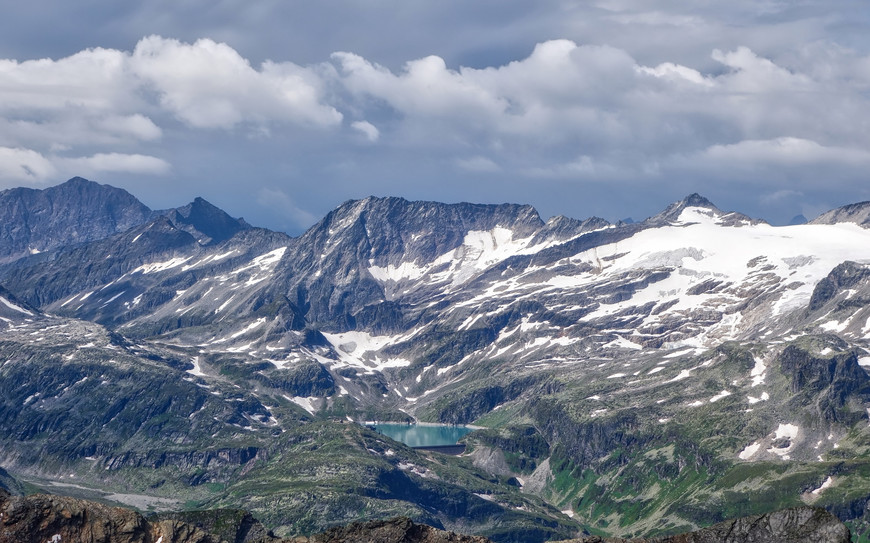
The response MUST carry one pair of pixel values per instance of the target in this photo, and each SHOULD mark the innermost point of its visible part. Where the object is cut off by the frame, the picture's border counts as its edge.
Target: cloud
(562, 101)
(784, 152)
(622, 118)
(583, 168)
(668, 95)
(478, 164)
(136, 126)
(209, 85)
(367, 129)
(24, 166)
(93, 80)
(676, 74)
(103, 98)
(426, 87)
(19, 165)
(114, 162)
(780, 172)
(279, 201)
(68, 130)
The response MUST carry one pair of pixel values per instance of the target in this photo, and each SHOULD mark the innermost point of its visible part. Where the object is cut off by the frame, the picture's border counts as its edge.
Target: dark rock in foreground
(398, 530)
(40, 518)
(797, 525)
(231, 525)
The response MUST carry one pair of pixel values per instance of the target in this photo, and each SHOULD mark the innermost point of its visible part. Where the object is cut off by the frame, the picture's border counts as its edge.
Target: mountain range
(628, 379)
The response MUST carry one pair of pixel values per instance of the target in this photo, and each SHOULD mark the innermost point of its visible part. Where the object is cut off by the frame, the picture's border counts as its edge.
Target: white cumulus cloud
(115, 162)
(98, 105)
(93, 80)
(367, 129)
(209, 85)
(641, 95)
(784, 151)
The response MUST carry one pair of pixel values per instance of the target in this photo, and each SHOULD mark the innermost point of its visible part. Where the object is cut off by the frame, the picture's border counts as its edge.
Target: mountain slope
(643, 378)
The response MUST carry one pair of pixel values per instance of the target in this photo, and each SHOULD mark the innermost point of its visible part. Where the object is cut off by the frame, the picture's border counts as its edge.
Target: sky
(280, 110)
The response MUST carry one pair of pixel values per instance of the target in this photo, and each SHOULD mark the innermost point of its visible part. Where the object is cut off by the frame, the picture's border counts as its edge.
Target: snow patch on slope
(155, 267)
(749, 451)
(14, 307)
(732, 260)
(359, 349)
(480, 250)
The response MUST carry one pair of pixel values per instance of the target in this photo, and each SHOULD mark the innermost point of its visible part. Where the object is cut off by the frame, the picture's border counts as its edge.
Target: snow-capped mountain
(702, 353)
(379, 272)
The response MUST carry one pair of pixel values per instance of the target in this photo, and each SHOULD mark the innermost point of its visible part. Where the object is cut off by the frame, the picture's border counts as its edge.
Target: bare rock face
(57, 519)
(230, 525)
(398, 530)
(796, 525)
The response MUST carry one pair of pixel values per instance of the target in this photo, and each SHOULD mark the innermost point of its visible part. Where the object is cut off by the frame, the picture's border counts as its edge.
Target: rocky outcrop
(797, 525)
(13, 310)
(830, 382)
(844, 276)
(398, 530)
(230, 525)
(57, 519)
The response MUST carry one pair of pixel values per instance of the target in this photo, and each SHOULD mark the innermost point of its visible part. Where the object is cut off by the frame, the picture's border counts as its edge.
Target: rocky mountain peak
(77, 211)
(696, 200)
(795, 525)
(395, 228)
(207, 223)
(79, 181)
(797, 219)
(673, 211)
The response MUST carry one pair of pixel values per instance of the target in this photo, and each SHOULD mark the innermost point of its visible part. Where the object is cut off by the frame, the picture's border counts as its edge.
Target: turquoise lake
(423, 435)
